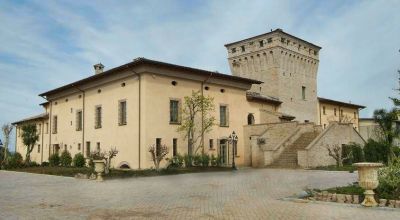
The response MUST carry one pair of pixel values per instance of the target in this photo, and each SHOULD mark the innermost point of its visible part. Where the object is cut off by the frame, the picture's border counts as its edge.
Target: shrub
(65, 159)
(45, 164)
(54, 160)
(357, 153)
(205, 160)
(375, 151)
(15, 161)
(215, 161)
(188, 160)
(396, 151)
(79, 160)
(32, 164)
(197, 160)
(176, 161)
(91, 164)
(389, 181)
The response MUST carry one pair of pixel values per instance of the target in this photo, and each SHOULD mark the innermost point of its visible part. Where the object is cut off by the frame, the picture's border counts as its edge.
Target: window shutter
(227, 115)
(218, 148)
(180, 111)
(124, 113)
(96, 118)
(170, 110)
(119, 113)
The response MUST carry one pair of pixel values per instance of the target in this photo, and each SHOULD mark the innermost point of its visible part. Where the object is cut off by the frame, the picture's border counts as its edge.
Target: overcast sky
(46, 44)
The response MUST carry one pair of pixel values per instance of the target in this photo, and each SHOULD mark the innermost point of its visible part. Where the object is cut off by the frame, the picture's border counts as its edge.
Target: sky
(46, 44)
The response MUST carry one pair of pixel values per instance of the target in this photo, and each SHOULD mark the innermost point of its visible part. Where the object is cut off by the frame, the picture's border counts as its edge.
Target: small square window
(243, 48)
(261, 42)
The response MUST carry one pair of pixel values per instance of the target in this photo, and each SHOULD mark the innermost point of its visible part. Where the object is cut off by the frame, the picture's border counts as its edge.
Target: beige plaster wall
(329, 116)
(158, 90)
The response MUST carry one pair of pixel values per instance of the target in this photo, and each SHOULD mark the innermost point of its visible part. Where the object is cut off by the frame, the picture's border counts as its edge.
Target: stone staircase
(288, 158)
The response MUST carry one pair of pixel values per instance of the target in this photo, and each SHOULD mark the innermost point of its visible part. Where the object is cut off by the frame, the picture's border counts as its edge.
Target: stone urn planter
(99, 168)
(368, 180)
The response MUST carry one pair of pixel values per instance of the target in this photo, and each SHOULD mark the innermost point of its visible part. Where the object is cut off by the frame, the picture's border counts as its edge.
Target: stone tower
(286, 64)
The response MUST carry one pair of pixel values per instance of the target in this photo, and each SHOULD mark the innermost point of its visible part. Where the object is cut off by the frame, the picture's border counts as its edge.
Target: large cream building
(270, 97)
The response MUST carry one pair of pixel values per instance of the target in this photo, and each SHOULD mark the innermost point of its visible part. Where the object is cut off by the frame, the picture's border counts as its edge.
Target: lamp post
(233, 138)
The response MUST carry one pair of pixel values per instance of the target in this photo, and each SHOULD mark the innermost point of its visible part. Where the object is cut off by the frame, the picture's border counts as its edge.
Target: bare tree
(158, 154)
(336, 152)
(7, 129)
(109, 155)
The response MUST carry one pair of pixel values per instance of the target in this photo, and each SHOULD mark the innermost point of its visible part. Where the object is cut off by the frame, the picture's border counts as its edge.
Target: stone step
(288, 157)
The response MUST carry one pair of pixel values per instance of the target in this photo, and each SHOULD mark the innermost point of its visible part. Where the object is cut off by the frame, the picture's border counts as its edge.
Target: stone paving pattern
(245, 194)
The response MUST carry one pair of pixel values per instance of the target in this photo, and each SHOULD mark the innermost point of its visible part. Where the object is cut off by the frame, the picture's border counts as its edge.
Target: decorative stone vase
(368, 180)
(99, 168)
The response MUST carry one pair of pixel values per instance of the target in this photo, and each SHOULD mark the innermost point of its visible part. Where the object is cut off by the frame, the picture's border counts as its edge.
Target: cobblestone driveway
(245, 194)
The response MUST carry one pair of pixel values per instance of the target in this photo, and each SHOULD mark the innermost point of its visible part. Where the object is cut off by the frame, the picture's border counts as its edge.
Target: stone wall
(316, 154)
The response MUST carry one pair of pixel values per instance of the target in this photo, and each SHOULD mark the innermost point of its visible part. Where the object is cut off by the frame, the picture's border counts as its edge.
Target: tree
(336, 152)
(7, 129)
(197, 119)
(29, 138)
(387, 132)
(158, 154)
(396, 101)
(109, 155)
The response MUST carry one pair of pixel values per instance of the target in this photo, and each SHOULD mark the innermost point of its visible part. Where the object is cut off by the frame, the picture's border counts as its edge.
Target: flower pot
(99, 167)
(368, 180)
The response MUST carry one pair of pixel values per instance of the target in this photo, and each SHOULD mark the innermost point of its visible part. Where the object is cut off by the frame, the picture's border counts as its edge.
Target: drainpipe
(83, 120)
(320, 116)
(140, 111)
(50, 126)
(202, 111)
(41, 152)
(139, 116)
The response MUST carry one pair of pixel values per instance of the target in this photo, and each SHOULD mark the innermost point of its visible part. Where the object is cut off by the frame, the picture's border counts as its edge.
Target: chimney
(98, 68)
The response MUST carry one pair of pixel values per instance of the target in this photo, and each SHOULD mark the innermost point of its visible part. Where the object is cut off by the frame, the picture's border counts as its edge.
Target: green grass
(350, 190)
(172, 171)
(349, 168)
(115, 174)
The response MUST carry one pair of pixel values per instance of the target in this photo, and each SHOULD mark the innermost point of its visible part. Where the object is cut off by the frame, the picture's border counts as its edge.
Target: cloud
(46, 44)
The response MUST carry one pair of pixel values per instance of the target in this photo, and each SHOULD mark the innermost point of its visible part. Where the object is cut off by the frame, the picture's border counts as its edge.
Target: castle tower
(286, 64)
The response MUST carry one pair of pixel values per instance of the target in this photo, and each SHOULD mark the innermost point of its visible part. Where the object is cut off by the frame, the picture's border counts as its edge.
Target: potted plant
(99, 166)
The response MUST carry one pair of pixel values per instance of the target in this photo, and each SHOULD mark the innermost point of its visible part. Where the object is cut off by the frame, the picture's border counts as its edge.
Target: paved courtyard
(245, 194)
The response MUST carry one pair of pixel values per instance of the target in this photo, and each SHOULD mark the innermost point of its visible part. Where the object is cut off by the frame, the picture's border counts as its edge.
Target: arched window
(124, 165)
(250, 119)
